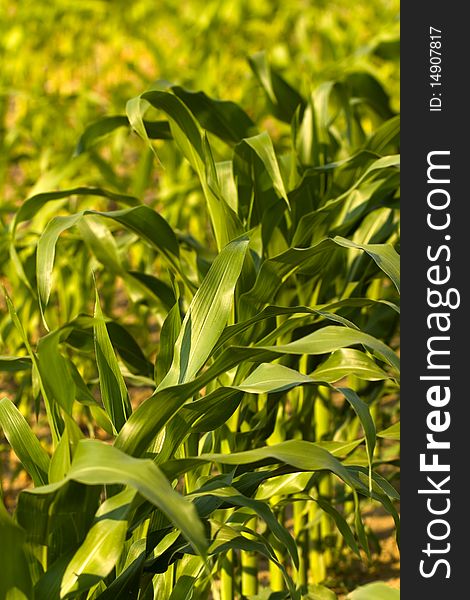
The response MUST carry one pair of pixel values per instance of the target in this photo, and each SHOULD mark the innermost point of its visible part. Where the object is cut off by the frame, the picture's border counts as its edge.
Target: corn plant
(213, 385)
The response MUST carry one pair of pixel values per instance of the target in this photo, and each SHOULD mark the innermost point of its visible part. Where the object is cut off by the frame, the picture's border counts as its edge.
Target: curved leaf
(23, 441)
(96, 463)
(374, 591)
(207, 314)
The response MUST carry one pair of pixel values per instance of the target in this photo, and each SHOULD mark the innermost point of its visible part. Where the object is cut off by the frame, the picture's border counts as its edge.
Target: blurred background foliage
(64, 64)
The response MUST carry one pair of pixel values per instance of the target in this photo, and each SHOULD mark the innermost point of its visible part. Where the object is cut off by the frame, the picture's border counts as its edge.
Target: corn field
(199, 326)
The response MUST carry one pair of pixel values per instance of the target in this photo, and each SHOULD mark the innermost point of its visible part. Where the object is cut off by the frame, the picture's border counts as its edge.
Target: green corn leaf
(362, 411)
(53, 414)
(168, 337)
(260, 509)
(61, 459)
(224, 119)
(384, 135)
(207, 314)
(348, 361)
(391, 433)
(190, 139)
(23, 441)
(34, 203)
(101, 243)
(262, 146)
(341, 524)
(368, 90)
(95, 131)
(55, 371)
(228, 538)
(148, 420)
(15, 582)
(306, 456)
(156, 130)
(113, 388)
(374, 591)
(126, 585)
(102, 546)
(320, 592)
(142, 220)
(12, 364)
(96, 463)
(284, 100)
(156, 286)
(331, 338)
(384, 255)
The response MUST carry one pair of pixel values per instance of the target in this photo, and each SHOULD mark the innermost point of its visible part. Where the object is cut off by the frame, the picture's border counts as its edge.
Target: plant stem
(300, 535)
(316, 565)
(226, 577)
(249, 565)
(319, 557)
(275, 574)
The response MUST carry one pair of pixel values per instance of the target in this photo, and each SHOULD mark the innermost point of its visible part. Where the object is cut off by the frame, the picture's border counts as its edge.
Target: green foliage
(220, 317)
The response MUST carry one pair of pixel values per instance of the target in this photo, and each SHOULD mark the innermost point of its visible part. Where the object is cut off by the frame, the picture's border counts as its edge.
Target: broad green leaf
(261, 509)
(126, 585)
(369, 90)
(58, 518)
(156, 286)
(384, 255)
(228, 538)
(283, 485)
(224, 119)
(283, 98)
(102, 546)
(391, 433)
(375, 591)
(101, 243)
(362, 411)
(52, 411)
(96, 463)
(207, 314)
(190, 139)
(128, 348)
(348, 361)
(23, 441)
(320, 592)
(15, 582)
(55, 372)
(306, 456)
(331, 338)
(387, 133)
(151, 416)
(31, 206)
(262, 146)
(46, 253)
(141, 219)
(113, 388)
(98, 129)
(14, 363)
(168, 337)
(326, 312)
(102, 127)
(148, 420)
(340, 523)
(273, 378)
(184, 588)
(61, 459)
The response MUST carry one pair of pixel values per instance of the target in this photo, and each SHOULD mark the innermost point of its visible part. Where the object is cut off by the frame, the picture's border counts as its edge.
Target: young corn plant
(214, 392)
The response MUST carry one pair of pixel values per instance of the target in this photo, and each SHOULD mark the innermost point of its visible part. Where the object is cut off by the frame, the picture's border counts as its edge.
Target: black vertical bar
(435, 119)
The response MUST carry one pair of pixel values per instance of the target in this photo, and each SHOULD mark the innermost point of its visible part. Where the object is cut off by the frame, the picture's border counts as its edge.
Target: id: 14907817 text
(435, 69)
